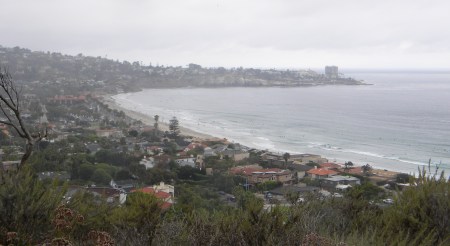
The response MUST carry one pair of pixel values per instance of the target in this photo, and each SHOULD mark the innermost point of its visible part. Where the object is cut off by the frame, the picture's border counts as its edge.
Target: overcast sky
(278, 33)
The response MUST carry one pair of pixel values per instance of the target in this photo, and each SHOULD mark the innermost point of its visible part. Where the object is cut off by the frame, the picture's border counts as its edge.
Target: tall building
(331, 72)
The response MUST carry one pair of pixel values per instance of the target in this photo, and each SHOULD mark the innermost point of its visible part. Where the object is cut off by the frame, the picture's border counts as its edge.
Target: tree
(133, 133)
(347, 165)
(286, 157)
(174, 127)
(100, 176)
(10, 106)
(366, 169)
(25, 206)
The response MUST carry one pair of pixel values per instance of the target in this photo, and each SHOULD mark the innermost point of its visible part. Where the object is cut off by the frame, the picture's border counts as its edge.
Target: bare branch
(10, 107)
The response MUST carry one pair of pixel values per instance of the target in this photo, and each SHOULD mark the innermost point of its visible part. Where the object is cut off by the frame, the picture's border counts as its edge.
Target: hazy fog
(259, 33)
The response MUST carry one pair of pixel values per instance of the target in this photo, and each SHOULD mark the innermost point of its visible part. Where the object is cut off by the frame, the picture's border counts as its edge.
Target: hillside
(32, 66)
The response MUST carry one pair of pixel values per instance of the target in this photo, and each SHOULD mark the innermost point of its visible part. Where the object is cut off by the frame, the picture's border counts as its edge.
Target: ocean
(398, 123)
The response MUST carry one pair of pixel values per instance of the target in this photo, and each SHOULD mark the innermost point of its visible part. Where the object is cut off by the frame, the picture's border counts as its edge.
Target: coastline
(112, 104)
(378, 173)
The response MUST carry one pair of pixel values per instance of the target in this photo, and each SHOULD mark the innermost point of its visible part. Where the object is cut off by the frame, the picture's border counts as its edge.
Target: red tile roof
(322, 172)
(150, 190)
(355, 170)
(329, 165)
(192, 146)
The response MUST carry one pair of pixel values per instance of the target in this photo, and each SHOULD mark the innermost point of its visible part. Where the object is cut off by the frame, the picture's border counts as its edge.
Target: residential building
(236, 155)
(67, 99)
(307, 158)
(148, 162)
(321, 173)
(61, 176)
(299, 169)
(338, 182)
(124, 185)
(331, 166)
(186, 162)
(163, 192)
(256, 174)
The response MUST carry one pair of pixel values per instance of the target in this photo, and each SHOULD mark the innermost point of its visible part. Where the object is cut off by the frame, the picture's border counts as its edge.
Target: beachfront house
(299, 169)
(236, 155)
(321, 173)
(307, 158)
(255, 174)
(331, 166)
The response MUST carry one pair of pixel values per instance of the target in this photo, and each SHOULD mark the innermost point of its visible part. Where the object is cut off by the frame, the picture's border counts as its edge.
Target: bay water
(398, 123)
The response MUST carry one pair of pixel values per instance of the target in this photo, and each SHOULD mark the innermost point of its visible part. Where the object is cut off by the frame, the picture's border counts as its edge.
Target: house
(208, 152)
(218, 148)
(124, 185)
(338, 182)
(162, 160)
(273, 158)
(307, 158)
(321, 173)
(112, 195)
(255, 174)
(193, 146)
(355, 170)
(235, 155)
(163, 196)
(186, 162)
(67, 99)
(278, 158)
(61, 176)
(148, 162)
(331, 166)
(200, 162)
(165, 187)
(152, 150)
(244, 170)
(299, 169)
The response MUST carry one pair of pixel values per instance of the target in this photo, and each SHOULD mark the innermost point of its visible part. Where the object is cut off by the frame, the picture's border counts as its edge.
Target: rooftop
(322, 172)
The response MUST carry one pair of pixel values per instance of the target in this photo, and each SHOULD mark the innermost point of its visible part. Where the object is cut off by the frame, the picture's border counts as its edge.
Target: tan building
(255, 174)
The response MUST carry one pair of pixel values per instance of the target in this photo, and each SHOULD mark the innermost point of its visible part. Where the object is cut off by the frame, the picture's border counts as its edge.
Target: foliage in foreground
(32, 213)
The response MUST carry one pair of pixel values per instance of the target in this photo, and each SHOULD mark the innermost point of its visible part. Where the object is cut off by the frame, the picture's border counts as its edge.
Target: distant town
(108, 76)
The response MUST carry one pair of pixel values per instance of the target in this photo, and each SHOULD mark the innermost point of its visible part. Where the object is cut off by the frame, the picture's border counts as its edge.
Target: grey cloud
(228, 32)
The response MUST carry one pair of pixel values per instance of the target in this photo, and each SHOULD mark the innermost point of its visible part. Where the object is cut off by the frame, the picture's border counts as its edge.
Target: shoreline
(163, 126)
(378, 173)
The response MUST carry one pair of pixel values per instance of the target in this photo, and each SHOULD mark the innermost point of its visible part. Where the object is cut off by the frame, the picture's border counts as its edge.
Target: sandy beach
(108, 100)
